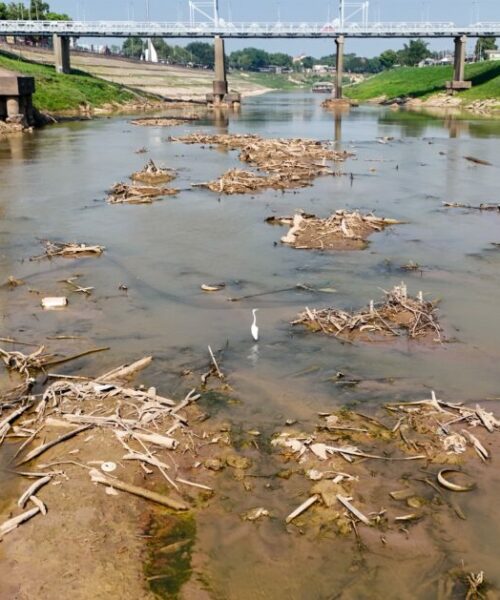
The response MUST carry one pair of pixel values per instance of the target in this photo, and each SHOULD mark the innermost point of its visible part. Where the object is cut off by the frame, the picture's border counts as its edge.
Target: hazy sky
(459, 11)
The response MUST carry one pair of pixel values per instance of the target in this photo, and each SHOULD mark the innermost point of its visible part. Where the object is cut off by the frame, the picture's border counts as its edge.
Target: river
(52, 186)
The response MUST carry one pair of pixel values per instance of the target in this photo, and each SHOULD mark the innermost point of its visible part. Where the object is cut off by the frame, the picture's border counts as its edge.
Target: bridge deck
(245, 30)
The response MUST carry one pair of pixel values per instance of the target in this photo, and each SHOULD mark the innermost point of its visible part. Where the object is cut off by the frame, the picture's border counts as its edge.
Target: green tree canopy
(280, 59)
(202, 53)
(308, 62)
(483, 44)
(133, 47)
(413, 53)
(37, 9)
(388, 59)
(249, 59)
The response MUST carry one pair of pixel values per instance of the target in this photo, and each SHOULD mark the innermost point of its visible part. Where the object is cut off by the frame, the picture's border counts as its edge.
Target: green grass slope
(57, 92)
(422, 83)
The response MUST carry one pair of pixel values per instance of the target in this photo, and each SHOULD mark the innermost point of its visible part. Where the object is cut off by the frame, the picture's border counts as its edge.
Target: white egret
(254, 328)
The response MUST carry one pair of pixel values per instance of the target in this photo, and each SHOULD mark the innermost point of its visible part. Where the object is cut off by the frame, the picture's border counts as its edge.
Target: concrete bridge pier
(16, 105)
(220, 82)
(458, 82)
(61, 53)
(339, 42)
(220, 95)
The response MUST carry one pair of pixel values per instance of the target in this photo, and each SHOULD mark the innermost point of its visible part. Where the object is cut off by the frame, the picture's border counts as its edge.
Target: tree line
(254, 59)
(36, 10)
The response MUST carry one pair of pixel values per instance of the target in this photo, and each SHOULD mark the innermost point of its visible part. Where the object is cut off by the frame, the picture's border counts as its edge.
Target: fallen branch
(13, 523)
(44, 447)
(302, 508)
(98, 477)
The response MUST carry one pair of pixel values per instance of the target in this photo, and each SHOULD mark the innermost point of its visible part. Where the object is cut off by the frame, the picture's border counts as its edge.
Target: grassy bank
(279, 82)
(56, 92)
(422, 83)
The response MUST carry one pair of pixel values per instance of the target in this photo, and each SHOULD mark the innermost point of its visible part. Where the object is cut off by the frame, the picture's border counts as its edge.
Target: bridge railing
(238, 29)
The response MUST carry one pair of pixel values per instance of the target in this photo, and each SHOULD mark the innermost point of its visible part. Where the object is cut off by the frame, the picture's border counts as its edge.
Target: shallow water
(52, 186)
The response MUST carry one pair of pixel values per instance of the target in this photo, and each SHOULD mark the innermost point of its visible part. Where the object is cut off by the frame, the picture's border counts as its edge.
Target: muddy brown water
(52, 186)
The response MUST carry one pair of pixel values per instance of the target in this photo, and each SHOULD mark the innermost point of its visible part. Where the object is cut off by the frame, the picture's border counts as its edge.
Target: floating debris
(288, 163)
(398, 314)
(163, 121)
(122, 193)
(52, 303)
(153, 174)
(255, 514)
(341, 231)
(453, 487)
(487, 207)
(212, 287)
(68, 250)
(478, 161)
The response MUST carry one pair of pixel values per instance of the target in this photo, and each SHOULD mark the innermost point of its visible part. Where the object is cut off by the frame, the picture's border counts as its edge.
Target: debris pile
(288, 163)
(122, 193)
(397, 314)
(68, 250)
(343, 230)
(128, 425)
(153, 174)
(164, 121)
(341, 455)
(487, 207)
(337, 103)
(239, 181)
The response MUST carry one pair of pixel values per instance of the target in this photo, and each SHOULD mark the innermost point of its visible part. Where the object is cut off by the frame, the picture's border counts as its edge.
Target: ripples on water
(53, 185)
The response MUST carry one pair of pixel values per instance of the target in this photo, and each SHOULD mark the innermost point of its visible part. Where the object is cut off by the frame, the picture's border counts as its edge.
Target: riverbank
(158, 80)
(428, 85)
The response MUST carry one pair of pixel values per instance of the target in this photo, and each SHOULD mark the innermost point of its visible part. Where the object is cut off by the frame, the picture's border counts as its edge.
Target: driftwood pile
(151, 430)
(68, 250)
(164, 121)
(336, 103)
(398, 314)
(486, 207)
(288, 163)
(343, 230)
(239, 181)
(153, 174)
(340, 456)
(122, 193)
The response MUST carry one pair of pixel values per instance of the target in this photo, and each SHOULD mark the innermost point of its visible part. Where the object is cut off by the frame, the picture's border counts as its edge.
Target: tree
(483, 44)
(388, 59)
(202, 53)
(38, 10)
(133, 47)
(280, 59)
(413, 53)
(249, 59)
(308, 62)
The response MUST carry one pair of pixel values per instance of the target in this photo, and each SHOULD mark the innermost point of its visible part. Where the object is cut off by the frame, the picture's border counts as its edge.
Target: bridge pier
(458, 82)
(16, 104)
(61, 54)
(220, 95)
(220, 82)
(339, 42)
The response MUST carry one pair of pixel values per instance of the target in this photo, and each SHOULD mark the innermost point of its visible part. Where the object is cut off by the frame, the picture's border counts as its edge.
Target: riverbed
(53, 186)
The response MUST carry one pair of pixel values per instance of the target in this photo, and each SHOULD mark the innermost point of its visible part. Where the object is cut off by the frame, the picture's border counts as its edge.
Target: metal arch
(244, 30)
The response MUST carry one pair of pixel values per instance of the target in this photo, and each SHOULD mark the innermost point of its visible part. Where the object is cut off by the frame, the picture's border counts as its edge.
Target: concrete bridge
(62, 31)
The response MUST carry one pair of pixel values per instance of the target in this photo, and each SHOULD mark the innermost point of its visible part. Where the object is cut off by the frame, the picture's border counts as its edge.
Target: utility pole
(147, 10)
